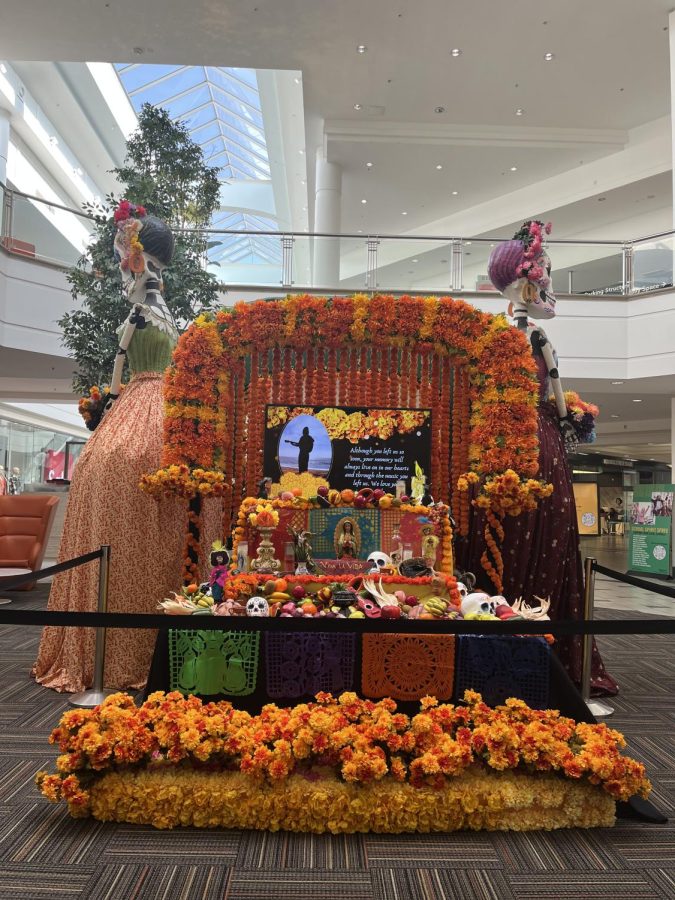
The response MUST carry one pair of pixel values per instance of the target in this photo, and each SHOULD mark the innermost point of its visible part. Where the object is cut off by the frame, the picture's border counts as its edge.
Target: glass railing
(36, 228)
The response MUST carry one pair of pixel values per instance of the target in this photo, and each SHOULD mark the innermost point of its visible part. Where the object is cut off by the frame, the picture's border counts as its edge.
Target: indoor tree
(164, 171)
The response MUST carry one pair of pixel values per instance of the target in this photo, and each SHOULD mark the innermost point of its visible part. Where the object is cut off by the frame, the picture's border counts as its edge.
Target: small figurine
(396, 553)
(346, 543)
(430, 544)
(220, 560)
(264, 487)
(302, 550)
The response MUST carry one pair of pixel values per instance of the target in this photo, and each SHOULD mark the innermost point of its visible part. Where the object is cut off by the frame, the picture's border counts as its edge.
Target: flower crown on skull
(535, 262)
(128, 247)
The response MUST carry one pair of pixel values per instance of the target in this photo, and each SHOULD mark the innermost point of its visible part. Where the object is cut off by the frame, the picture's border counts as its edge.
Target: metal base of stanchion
(89, 699)
(4, 600)
(599, 708)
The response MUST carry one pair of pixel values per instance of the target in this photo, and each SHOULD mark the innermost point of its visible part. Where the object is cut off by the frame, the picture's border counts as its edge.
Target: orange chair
(25, 524)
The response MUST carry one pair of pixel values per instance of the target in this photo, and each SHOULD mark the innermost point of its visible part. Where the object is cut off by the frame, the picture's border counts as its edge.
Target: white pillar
(671, 37)
(4, 143)
(672, 440)
(327, 219)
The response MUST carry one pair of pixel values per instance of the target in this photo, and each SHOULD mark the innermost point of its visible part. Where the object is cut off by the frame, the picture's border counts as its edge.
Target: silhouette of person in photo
(305, 445)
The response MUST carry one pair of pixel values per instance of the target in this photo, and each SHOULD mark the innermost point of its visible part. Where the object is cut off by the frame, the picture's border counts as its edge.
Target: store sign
(586, 502)
(651, 526)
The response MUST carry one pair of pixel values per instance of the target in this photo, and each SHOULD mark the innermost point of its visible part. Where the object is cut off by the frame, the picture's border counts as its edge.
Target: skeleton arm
(541, 343)
(134, 321)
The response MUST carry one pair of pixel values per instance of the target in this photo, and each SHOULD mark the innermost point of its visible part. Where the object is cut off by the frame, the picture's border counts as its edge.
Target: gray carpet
(45, 854)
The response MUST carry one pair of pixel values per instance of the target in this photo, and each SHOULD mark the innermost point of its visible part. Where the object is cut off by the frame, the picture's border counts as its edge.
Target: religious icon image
(347, 539)
(430, 544)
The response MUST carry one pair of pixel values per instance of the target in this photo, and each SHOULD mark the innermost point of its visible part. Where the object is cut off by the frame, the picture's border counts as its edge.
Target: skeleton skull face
(463, 590)
(478, 603)
(378, 561)
(257, 606)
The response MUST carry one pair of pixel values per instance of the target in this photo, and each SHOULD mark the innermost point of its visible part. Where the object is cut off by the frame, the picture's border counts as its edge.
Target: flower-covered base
(166, 797)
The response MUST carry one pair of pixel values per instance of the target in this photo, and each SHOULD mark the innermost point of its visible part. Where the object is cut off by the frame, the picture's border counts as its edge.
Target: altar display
(347, 439)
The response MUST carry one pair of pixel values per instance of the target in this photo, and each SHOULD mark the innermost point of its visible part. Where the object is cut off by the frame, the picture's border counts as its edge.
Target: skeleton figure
(478, 603)
(144, 247)
(521, 270)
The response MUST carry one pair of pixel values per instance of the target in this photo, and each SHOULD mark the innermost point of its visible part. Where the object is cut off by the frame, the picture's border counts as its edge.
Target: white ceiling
(584, 111)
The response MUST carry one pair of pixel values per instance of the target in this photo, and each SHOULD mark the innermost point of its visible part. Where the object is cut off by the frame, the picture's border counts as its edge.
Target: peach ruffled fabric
(147, 538)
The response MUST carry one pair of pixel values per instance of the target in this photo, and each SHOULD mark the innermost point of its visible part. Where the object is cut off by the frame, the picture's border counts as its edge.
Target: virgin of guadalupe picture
(347, 539)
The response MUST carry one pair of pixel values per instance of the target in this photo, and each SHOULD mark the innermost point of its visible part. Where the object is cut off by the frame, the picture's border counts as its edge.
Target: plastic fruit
(400, 596)
(356, 615)
(391, 612)
(322, 490)
(269, 587)
(334, 497)
(297, 492)
(360, 502)
(412, 600)
(378, 493)
(286, 495)
(298, 592)
(324, 593)
(347, 495)
(426, 615)
(309, 608)
(288, 608)
(365, 492)
(405, 498)
(281, 584)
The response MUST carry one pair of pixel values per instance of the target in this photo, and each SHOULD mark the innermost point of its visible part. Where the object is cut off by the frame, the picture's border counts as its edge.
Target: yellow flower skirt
(509, 801)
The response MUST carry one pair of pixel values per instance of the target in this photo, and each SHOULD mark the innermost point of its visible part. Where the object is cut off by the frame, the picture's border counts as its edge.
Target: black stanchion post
(97, 693)
(597, 707)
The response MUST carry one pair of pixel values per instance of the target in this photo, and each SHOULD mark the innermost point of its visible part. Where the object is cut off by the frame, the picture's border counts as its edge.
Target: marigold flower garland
(359, 742)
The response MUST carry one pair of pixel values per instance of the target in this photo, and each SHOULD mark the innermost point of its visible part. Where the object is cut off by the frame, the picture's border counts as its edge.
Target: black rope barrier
(635, 582)
(8, 582)
(295, 624)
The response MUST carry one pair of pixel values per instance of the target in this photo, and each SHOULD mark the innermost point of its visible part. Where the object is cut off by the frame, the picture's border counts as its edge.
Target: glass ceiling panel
(221, 109)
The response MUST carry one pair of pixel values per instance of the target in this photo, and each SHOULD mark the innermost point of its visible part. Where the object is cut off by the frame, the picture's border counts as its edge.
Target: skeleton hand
(570, 439)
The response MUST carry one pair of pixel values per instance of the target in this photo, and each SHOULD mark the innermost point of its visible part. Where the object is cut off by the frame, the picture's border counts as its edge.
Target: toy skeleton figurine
(521, 270)
(144, 247)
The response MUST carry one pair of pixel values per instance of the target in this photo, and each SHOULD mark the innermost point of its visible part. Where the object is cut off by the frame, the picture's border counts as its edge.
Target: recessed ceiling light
(364, 200)
(304, 209)
(78, 171)
(439, 109)
(617, 382)
(652, 459)
(296, 80)
(3, 68)
(614, 416)
(53, 140)
(357, 106)
(360, 231)
(549, 56)
(467, 243)
(301, 152)
(361, 48)
(520, 111)
(439, 167)
(303, 181)
(415, 260)
(454, 193)
(636, 401)
(404, 213)
(369, 165)
(514, 168)
(456, 51)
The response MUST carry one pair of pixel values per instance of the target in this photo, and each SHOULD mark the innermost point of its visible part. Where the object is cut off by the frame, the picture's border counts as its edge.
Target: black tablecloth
(563, 694)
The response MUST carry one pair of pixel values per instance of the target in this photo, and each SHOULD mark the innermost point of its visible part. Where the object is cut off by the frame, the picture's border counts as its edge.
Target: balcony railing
(272, 261)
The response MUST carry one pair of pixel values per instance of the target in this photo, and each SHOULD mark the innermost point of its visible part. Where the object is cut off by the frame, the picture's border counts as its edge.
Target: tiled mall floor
(612, 551)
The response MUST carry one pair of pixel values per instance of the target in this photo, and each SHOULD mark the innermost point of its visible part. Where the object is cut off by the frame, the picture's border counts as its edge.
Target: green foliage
(164, 171)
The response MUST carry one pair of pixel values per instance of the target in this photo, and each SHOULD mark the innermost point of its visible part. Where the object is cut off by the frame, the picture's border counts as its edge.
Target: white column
(327, 219)
(4, 143)
(672, 440)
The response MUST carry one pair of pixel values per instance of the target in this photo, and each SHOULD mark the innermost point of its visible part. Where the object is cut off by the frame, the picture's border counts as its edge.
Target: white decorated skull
(462, 588)
(257, 606)
(378, 561)
(478, 602)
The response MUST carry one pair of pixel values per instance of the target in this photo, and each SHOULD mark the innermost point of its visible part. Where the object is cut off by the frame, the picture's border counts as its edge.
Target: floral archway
(472, 369)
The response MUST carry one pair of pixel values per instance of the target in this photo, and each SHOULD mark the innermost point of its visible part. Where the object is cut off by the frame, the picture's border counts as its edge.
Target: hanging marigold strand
(252, 409)
(455, 470)
(392, 378)
(426, 377)
(298, 380)
(332, 377)
(439, 419)
(494, 570)
(464, 445)
(412, 390)
(365, 392)
(288, 376)
(341, 356)
(276, 374)
(353, 373)
(445, 435)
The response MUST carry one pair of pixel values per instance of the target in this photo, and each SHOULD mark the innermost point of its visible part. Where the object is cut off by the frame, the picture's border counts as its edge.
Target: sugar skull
(257, 606)
(378, 561)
